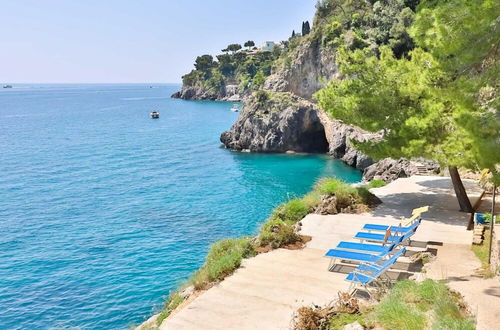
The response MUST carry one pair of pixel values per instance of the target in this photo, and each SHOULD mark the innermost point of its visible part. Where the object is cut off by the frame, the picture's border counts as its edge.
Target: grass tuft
(481, 252)
(410, 305)
(223, 259)
(277, 233)
(394, 313)
(375, 184)
(332, 186)
(312, 199)
(339, 321)
(174, 300)
(293, 210)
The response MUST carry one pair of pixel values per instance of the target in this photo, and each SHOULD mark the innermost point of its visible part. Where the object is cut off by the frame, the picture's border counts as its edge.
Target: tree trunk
(463, 199)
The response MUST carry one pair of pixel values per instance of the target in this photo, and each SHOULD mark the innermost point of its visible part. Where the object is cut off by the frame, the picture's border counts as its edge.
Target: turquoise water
(104, 210)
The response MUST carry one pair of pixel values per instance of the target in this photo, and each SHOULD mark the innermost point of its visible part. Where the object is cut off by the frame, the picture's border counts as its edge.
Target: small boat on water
(235, 108)
(7, 86)
(154, 114)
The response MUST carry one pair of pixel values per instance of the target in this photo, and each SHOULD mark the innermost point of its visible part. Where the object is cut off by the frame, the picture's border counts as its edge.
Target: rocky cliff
(281, 115)
(277, 122)
(225, 93)
(304, 70)
(284, 122)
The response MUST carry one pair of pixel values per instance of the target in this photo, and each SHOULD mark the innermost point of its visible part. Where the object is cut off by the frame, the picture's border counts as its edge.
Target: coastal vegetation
(407, 305)
(278, 231)
(482, 253)
(246, 69)
(375, 184)
(430, 84)
(223, 258)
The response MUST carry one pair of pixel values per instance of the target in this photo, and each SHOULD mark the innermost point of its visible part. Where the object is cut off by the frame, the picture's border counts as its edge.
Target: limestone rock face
(340, 137)
(389, 169)
(284, 122)
(277, 122)
(309, 66)
(328, 205)
(227, 93)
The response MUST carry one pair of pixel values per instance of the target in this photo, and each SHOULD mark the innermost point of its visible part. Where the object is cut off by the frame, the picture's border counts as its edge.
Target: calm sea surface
(104, 210)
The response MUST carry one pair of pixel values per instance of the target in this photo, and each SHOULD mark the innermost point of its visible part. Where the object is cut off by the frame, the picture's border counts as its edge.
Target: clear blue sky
(131, 40)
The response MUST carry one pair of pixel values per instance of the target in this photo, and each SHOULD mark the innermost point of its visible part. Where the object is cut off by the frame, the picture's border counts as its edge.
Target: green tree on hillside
(204, 64)
(306, 28)
(249, 44)
(234, 47)
(258, 80)
(226, 65)
(440, 101)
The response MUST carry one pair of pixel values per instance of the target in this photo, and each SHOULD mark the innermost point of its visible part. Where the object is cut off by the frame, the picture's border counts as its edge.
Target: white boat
(154, 114)
(7, 86)
(235, 108)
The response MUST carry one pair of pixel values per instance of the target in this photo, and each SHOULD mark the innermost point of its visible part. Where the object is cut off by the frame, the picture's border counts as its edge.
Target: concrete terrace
(266, 291)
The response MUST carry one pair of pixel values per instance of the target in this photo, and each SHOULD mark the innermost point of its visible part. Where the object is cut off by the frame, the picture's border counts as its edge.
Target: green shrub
(375, 184)
(174, 300)
(223, 259)
(345, 193)
(312, 199)
(329, 186)
(277, 233)
(293, 210)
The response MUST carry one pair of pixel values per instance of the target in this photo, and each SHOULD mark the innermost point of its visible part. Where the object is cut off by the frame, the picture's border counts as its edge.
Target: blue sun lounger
(359, 257)
(397, 229)
(368, 273)
(364, 236)
(356, 256)
(416, 216)
(368, 248)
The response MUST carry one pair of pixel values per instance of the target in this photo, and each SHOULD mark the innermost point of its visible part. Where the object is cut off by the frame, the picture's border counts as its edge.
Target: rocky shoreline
(272, 122)
(228, 93)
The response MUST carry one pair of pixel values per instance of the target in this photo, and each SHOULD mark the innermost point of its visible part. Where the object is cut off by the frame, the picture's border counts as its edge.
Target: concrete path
(483, 298)
(263, 294)
(266, 291)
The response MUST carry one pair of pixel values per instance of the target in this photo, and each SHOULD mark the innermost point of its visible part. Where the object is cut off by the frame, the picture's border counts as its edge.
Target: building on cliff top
(268, 46)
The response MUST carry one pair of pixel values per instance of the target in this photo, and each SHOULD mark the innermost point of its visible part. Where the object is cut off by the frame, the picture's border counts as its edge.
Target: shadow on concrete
(342, 268)
(437, 193)
(493, 291)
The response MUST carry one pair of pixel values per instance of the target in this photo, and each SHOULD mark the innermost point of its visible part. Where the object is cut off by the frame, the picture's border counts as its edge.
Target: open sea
(104, 210)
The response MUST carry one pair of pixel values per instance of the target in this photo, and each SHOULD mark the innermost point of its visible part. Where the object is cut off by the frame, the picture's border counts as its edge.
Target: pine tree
(306, 28)
(440, 102)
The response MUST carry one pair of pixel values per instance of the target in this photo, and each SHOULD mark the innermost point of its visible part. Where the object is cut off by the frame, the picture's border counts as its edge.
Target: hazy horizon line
(90, 83)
